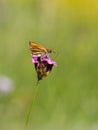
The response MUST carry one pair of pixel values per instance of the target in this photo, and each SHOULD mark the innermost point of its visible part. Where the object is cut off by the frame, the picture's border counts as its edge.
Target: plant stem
(32, 103)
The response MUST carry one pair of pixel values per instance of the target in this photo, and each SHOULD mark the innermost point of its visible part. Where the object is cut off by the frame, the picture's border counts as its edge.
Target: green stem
(32, 102)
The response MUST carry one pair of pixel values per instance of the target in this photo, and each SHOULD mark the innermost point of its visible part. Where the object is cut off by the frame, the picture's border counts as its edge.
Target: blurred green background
(68, 98)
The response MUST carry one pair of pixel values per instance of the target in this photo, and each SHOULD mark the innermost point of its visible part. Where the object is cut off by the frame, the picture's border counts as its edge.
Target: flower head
(43, 65)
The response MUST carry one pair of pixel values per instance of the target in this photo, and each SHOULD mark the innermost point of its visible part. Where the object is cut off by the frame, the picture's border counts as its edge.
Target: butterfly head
(49, 50)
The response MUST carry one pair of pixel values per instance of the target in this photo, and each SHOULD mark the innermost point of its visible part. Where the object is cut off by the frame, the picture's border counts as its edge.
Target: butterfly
(37, 49)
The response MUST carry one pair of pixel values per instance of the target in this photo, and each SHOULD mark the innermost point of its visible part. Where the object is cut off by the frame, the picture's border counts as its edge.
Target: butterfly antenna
(32, 103)
(56, 54)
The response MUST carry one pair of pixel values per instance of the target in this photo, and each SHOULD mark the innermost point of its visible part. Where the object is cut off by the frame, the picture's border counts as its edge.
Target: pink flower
(43, 65)
(36, 59)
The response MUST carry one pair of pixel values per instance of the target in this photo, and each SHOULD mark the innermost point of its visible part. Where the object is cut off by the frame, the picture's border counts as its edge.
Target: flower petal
(35, 59)
(49, 61)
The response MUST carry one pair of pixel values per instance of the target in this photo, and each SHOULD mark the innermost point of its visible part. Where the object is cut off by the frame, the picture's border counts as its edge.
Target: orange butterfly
(38, 49)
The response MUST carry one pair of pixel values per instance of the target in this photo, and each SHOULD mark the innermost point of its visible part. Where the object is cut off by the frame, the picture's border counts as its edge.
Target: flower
(43, 65)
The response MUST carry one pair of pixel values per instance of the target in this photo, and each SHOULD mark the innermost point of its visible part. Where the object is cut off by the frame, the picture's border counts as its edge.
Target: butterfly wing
(37, 49)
